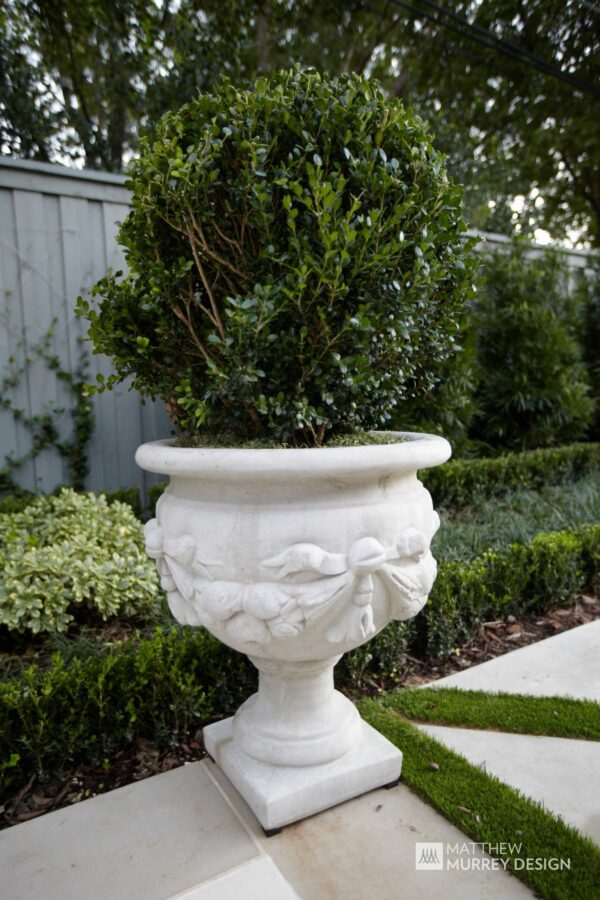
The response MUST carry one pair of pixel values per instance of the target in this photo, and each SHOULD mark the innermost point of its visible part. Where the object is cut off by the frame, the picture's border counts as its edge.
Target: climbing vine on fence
(43, 427)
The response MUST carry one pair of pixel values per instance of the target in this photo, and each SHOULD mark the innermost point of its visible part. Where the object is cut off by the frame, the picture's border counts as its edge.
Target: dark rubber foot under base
(271, 832)
(392, 784)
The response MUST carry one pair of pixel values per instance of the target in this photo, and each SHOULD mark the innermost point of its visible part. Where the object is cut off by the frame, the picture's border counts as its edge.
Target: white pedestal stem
(297, 718)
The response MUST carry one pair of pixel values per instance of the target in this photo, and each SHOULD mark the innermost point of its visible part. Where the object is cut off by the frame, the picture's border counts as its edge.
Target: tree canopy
(529, 129)
(512, 89)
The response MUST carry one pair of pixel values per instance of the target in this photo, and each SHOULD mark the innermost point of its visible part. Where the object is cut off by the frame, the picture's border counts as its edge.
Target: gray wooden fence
(576, 259)
(57, 238)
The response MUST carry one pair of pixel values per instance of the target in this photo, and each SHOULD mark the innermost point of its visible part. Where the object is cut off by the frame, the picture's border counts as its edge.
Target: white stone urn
(294, 556)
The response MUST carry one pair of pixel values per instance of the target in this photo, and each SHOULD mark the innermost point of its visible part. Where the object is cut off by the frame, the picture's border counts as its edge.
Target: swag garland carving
(284, 604)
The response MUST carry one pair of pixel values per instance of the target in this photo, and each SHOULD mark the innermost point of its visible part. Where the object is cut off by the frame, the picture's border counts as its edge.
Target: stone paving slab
(561, 774)
(259, 879)
(566, 665)
(365, 849)
(188, 835)
(146, 841)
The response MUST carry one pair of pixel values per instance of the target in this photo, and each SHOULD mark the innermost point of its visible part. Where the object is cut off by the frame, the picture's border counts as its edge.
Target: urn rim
(413, 451)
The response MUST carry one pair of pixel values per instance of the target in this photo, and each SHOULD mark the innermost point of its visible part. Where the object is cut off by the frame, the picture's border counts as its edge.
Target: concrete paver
(258, 879)
(566, 665)
(146, 841)
(187, 834)
(367, 848)
(563, 775)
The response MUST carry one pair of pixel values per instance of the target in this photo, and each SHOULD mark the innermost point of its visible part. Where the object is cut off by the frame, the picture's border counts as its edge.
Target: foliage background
(80, 83)
(525, 373)
(511, 89)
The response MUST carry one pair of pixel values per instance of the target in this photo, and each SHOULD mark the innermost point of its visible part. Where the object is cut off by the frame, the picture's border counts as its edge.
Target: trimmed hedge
(524, 578)
(463, 482)
(155, 492)
(130, 496)
(160, 688)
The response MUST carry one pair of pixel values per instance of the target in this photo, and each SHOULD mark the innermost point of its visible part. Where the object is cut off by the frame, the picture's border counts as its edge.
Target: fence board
(37, 225)
(128, 410)
(54, 245)
(57, 238)
(60, 312)
(14, 438)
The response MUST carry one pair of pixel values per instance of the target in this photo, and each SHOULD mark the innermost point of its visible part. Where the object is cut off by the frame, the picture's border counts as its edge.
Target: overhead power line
(479, 35)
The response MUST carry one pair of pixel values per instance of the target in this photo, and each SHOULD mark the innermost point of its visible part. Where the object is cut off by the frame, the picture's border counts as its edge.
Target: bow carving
(289, 599)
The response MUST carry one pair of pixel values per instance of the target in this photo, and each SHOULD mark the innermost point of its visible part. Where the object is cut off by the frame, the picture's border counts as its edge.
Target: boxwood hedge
(463, 482)
(161, 687)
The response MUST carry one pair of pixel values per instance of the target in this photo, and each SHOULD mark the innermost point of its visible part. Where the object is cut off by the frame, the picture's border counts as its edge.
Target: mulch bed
(138, 761)
(142, 758)
(502, 636)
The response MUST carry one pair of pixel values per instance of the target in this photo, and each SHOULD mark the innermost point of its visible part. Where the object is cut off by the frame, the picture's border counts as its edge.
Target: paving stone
(365, 849)
(259, 879)
(561, 774)
(188, 835)
(145, 841)
(566, 665)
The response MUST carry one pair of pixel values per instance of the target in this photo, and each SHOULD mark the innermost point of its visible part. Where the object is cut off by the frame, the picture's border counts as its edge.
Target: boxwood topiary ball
(295, 261)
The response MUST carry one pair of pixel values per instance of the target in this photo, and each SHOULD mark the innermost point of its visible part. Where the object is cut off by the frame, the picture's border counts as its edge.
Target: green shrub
(589, 538)
(165, 686)
(160, 689)
(129, 496)
(20, 501)
(587, 298)
(68, 553)
(154, 493)
(296, 266)
(16, 502)
(449, 407)
(461, 483)
(381, 657)
(533, 388)
(524, 578)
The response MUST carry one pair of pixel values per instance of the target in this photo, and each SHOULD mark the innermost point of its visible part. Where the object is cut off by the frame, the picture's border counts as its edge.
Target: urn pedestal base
(280, 795)
(295, 556)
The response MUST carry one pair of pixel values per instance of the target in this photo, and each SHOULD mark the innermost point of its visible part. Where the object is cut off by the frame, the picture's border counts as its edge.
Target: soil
(501, 636)
(138, 761)
(142, 758)
(228, 440)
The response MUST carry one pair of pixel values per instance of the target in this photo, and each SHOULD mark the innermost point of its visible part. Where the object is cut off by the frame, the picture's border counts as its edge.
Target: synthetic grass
(491, 812)
(516, 518)
(520, 713)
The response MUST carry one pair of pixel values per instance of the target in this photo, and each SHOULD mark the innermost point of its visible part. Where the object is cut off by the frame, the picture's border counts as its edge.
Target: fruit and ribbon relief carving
(302, 583)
